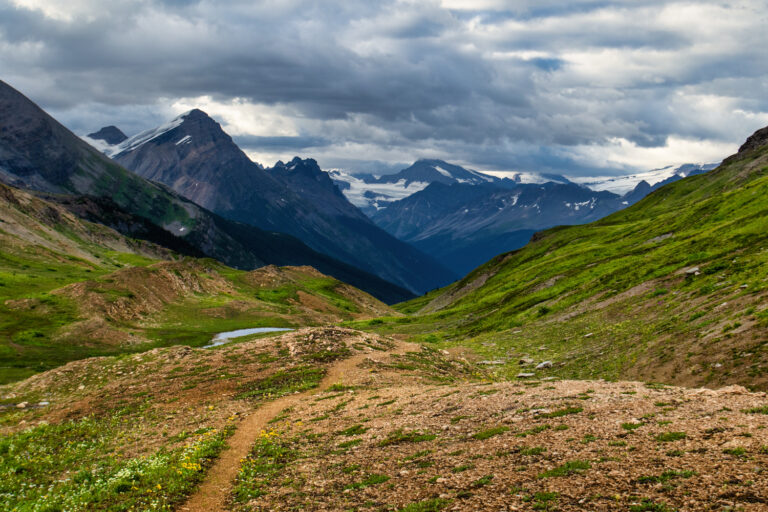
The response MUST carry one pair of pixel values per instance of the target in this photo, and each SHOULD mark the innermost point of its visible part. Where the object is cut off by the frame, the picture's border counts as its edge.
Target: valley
(617, 364)
(671, 289)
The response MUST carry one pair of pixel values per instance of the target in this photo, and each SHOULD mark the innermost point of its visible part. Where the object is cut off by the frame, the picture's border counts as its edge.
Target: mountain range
(37, 153)
(194, 157)
(460, 217)
(373, 193)
(464, 218)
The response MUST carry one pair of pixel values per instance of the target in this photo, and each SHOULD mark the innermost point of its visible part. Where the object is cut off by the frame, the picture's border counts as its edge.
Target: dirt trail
(212, 494)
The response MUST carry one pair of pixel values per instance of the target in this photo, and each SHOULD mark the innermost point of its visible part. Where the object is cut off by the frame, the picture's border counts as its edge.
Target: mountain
(371, 193)
(197, 159)
(671, 289)
(111, 135)
(437, 171)
(38, 153)
(465, 225)
(374, 193)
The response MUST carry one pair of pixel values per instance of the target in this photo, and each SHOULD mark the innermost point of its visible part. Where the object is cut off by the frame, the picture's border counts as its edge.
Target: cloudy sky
(580, 87)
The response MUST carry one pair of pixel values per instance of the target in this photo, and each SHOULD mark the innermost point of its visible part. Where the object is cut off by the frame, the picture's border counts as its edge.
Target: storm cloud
(576, 87)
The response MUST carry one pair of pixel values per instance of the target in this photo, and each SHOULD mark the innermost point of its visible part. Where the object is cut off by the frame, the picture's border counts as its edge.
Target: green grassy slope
(620, 298)
(70, 289)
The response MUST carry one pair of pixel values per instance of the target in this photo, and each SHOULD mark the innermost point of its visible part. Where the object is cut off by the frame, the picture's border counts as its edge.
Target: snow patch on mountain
(139, 139)
(624, 184)
(485, 177)
(363, 194)
(529, 177)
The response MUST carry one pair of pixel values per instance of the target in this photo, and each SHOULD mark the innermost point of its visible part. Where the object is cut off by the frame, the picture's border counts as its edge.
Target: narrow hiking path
(213, 493)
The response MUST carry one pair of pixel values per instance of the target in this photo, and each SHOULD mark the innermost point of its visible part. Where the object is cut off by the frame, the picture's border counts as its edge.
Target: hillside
(671, 289)
(38, 153)
(71, 289)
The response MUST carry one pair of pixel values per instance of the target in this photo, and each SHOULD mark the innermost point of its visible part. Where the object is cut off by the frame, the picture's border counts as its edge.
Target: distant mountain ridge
(111, 135)
(655, 178)
(466, 223)
(193, 155)
(437, 171)
(374, 193)
(459, 216)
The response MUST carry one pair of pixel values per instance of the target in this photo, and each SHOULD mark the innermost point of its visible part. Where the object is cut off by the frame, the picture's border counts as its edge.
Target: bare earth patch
(568, 445)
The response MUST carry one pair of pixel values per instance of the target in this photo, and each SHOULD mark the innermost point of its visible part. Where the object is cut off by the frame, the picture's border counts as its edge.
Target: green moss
(400, 436)
(368, 481)
(668, 437)
(666, 476)
(648, 505)
(283, 382)
(561, 412)
(567, 469)
(431, 505)
(354, 430)
(487, 434)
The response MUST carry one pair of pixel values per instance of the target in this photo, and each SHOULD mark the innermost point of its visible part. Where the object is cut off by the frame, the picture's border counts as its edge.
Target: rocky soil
(422, 430)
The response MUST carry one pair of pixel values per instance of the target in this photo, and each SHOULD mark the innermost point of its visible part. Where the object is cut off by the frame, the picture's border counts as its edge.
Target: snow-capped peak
(137, 140)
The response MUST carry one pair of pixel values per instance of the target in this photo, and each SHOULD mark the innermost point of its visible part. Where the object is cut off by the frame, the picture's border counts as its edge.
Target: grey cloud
(420, 76)
(254, 142)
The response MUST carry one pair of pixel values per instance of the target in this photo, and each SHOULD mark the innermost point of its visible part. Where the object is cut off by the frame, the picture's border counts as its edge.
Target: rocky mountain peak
(307, 166)
(756, 140)
(109, 134)
(197, 115)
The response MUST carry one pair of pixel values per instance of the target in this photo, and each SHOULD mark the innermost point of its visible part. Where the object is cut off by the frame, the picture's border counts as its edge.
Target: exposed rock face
(756, 140)
(34, 151)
